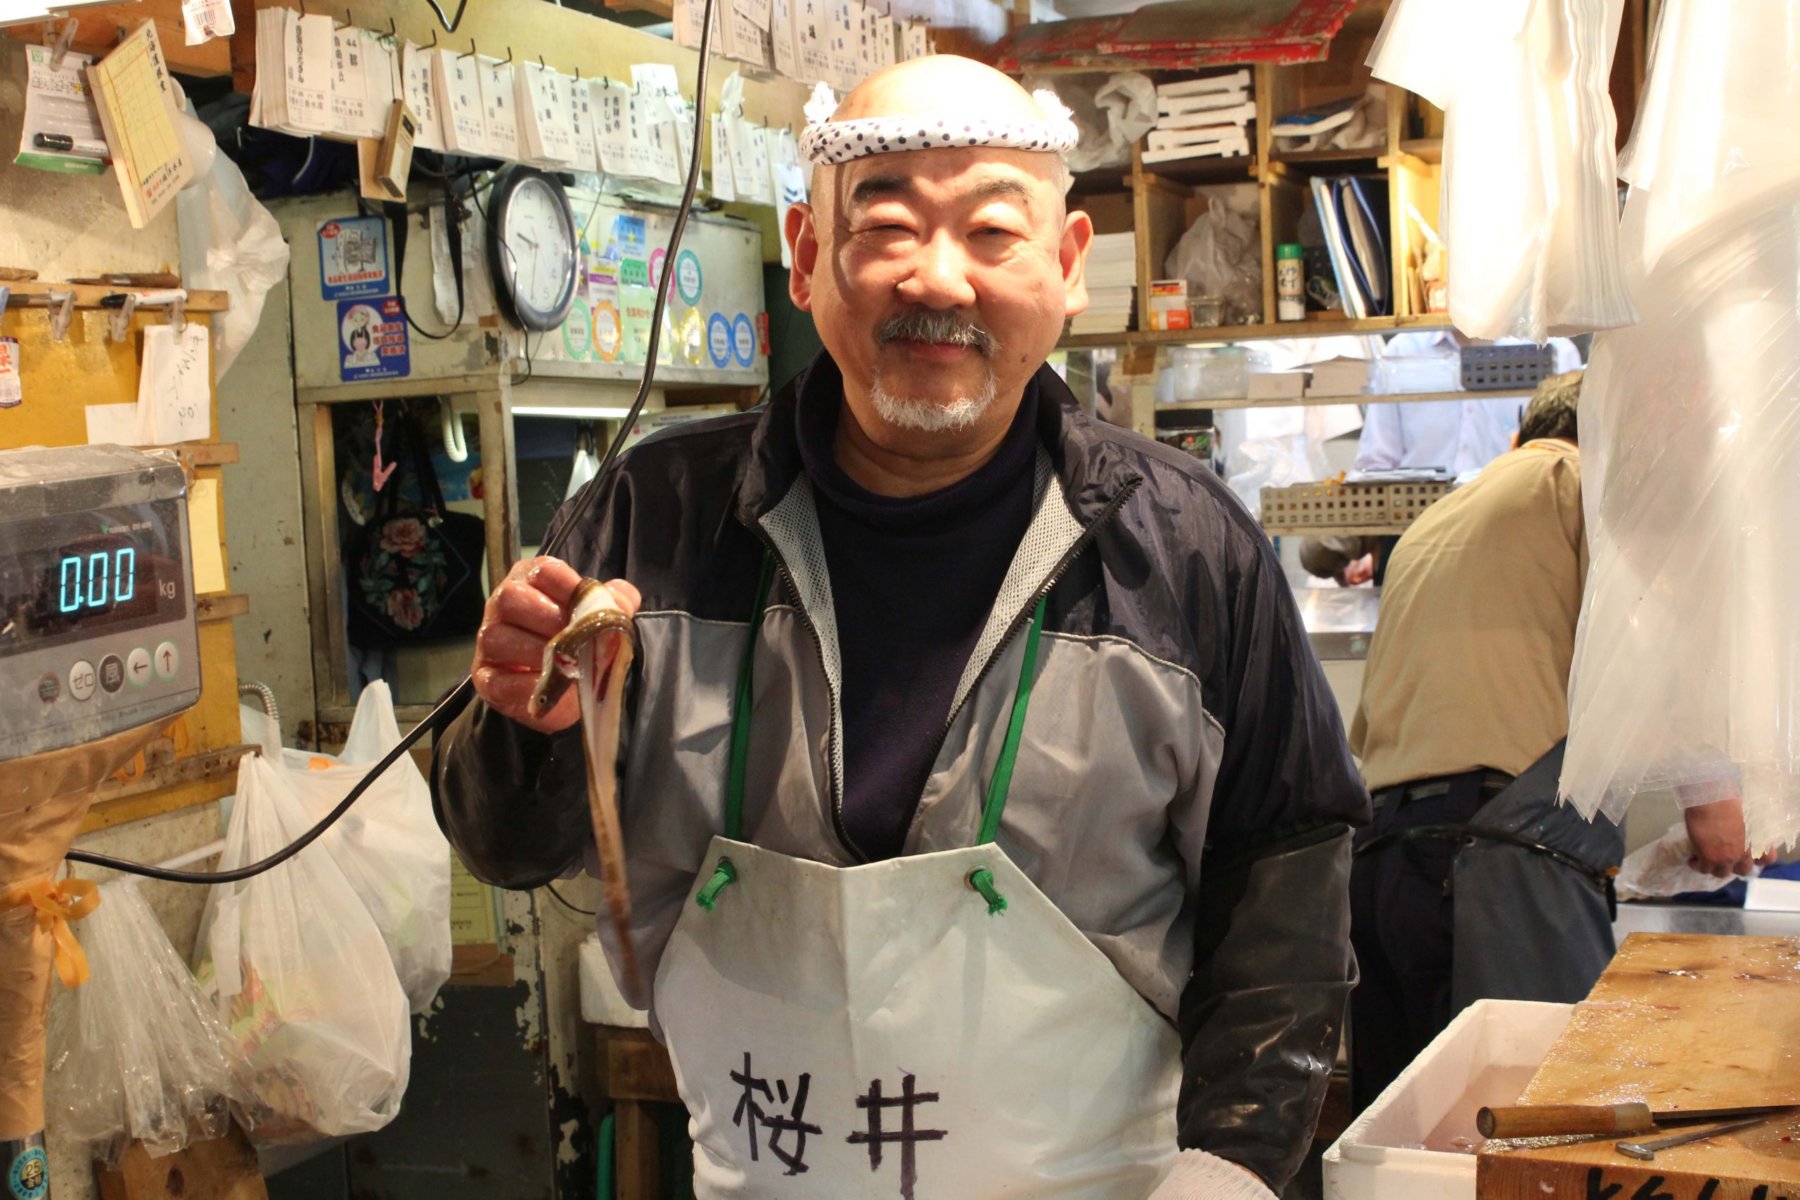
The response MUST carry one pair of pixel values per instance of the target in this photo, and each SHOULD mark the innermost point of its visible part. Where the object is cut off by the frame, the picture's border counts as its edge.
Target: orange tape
(57, 904)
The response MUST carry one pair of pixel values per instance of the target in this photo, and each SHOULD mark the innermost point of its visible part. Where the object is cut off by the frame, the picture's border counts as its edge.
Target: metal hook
(65, 36)
(349, 21)
(5, 299)
(432, 45)
(508, 56)
(393, 30)
(303, 7)
(471, 52)
(541, 65)
(178, 312)
(121, 317)
(577, 74)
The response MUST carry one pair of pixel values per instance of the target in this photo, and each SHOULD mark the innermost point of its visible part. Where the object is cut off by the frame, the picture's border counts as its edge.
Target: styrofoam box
(601, 1001)
(1485, 1056)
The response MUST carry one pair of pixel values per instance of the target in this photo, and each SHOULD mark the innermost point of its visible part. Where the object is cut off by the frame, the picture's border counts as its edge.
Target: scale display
(97, 622)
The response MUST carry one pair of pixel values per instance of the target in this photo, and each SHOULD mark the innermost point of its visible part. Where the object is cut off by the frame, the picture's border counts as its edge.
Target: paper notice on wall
(547, 138)
(175, 384)
(306, 62)
(886, 51)
(421, 97)
(812, 41)
(115, 425)
(582, 121)
(205, 20)
(459, 103)
(349, 86)
(722, 187)
(203, 528)
(499, 109)
(915, 40)
(660, 78)
(781, 38)
(60, 107)
(844, 34)
(612, 103)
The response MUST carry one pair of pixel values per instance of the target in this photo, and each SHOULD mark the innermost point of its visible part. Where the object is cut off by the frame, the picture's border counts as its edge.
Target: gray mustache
(937, 327)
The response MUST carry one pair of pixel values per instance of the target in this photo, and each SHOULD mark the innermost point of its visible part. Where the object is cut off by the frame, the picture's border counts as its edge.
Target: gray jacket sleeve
(511, 800)
(1262, 1013)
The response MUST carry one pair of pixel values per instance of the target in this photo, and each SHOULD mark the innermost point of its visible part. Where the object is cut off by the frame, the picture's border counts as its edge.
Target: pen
(67, 145)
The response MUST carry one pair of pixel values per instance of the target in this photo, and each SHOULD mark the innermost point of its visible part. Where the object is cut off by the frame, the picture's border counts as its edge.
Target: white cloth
(1035, 1067)
(1202, 1176)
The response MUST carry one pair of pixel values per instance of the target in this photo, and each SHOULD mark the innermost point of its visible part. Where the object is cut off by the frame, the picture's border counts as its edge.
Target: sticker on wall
(372, 340)
(12, 390)
(743, 340)
(718, 340)
(636, 305)
(658, 256)
(29, 1176)
(690, 337)
(688, 279)
(353, 258)
(608, 335)
(578, 333)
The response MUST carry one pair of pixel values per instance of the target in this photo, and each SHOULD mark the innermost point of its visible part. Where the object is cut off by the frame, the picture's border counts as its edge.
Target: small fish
(593, 653)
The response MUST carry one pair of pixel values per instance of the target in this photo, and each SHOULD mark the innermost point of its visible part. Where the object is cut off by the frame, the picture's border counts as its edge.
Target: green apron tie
(980, 879)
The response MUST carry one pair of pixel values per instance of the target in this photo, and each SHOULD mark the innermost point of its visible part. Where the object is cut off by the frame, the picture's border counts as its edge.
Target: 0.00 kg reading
(95, 582)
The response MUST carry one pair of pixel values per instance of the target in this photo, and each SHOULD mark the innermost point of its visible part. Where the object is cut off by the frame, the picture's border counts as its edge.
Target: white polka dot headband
(831, 142)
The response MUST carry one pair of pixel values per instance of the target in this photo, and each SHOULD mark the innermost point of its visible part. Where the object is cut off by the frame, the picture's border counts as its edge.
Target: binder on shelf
(1352, 211)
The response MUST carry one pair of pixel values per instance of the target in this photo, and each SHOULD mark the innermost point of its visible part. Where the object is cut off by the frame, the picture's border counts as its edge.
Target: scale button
(49, 688)
(168, 661)
(112, 672)
(81, 680)
(137, 667)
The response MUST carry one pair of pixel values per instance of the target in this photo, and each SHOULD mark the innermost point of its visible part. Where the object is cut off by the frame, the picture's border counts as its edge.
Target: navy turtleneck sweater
(912, 581)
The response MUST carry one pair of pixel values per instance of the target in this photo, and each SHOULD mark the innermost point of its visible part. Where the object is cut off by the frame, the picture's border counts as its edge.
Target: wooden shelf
(1100, 181)
(1429, 150)
(1198, 172)
(1368, 156)
(1324, 401)
(89, 295)
(1252, 333)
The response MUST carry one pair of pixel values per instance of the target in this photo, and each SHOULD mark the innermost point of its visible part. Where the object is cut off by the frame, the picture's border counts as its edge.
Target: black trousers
(1402, 923)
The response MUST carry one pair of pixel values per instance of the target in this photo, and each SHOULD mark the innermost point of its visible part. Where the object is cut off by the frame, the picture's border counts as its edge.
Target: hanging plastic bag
(1110, 113)
(1530, 207)
(1684, 678)
(388, 845)
(135, 1053)
(1220, 255)
(293, 964)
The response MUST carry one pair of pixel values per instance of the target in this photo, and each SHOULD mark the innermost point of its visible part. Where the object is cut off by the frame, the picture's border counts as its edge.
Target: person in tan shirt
(1461, 725)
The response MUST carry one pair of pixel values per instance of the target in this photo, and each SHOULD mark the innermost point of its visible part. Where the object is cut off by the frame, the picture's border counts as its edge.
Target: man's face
(938, 279)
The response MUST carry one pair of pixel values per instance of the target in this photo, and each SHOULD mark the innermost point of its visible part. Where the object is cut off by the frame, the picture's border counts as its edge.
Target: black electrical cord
(564, 901)
(449, 24)
(553, 540)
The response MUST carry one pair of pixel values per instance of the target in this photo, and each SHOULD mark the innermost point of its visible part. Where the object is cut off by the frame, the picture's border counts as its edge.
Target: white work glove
(1202, 1176)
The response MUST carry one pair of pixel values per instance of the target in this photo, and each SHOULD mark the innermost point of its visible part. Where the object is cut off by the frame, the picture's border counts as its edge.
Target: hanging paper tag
(421, 98)
(12, 391)
(175, 384)
(497, 109)
(207, 19)
(722, 188)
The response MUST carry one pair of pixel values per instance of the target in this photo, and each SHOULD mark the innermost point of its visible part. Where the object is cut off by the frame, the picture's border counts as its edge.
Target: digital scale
(97, 622)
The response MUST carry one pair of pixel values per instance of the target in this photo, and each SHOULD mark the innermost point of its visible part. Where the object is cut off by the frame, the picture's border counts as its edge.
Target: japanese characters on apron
(929, 1026)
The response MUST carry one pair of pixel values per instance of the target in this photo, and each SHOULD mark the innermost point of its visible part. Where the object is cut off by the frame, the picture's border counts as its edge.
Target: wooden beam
(99, 28)
(221, 1169)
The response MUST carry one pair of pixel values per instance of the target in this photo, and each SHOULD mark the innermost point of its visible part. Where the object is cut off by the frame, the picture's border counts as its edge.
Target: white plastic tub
(1486, 1056)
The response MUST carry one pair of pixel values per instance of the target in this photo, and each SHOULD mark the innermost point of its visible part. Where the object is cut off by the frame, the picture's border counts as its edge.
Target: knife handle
(1553, 1120)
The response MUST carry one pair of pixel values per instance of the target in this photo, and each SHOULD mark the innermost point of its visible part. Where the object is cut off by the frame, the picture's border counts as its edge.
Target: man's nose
(940, 275)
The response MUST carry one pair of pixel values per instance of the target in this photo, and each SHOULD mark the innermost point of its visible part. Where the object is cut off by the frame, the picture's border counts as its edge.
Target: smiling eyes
(987, 232)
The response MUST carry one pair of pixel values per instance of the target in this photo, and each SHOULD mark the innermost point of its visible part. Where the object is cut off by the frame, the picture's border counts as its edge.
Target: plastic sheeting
(1686, 676)
(1530, 208)
(1110, 112)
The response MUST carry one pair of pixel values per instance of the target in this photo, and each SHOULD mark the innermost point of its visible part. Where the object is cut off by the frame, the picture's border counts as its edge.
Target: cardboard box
(1169, 304)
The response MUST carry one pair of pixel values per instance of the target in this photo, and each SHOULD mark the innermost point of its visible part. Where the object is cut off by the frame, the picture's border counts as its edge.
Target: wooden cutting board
(1677, 1021)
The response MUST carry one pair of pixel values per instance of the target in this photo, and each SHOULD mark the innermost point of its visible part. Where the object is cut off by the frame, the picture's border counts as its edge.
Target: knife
(1646, 1151)
(1555, 1120)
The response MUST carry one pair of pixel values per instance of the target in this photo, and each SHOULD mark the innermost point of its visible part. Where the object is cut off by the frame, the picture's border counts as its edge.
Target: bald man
(986, 814)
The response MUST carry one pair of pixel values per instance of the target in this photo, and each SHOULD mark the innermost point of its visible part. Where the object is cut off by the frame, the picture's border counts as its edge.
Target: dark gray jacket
(1183, 790)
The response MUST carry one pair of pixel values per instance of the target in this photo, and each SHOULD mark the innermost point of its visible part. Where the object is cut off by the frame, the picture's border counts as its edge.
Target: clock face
(533, 241)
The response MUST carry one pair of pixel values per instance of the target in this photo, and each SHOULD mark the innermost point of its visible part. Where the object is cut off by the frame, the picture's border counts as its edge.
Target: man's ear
(803, 247)
(1077, 240)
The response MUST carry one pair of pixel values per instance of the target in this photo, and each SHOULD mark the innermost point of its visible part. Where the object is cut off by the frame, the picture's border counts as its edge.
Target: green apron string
(981, 879)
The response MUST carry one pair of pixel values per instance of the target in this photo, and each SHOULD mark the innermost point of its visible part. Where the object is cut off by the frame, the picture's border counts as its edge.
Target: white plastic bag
(1220, 255)
(1110, 113)
(293, 964)
(1530, 209)
(229, 241)
(1686, 675)
(1661, 869)
(388, 845)
(135, 1054)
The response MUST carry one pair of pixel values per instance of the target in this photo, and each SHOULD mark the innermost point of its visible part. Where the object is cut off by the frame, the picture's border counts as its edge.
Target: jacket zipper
(1062, 568)
(831, 729)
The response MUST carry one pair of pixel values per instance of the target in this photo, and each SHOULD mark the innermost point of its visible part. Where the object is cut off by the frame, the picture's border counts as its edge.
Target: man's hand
(1721, 848)
(1356, 572)
(530, 607)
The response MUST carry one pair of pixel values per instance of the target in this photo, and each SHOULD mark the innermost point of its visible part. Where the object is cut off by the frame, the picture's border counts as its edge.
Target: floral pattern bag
(414, 571)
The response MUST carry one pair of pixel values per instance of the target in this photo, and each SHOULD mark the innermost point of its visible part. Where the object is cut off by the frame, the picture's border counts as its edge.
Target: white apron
(930, 1026)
